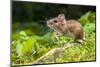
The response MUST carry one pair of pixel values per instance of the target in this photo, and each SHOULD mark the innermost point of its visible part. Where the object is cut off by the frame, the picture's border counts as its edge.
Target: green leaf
(84, 18)
(22, 33)
(19, 49)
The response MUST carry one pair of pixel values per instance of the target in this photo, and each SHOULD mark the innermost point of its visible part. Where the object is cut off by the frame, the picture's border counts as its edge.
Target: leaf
(19, 49)
(84, 18)
(28, 46)
(22, 33)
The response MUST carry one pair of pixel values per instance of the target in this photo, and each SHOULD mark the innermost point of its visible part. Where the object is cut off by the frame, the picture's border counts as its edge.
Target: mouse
(69, 28)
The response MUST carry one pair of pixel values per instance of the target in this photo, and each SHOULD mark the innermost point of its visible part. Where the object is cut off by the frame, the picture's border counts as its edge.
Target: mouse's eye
(55, 21)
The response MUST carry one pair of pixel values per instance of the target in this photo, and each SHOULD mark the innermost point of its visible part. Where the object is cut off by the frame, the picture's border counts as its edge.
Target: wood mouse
(70, 28)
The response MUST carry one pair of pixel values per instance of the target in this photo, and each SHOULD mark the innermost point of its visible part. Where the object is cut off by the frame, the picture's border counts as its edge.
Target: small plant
(89, 17)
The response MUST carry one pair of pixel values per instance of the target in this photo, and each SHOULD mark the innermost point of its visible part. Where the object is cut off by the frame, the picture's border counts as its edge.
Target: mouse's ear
(61, 17)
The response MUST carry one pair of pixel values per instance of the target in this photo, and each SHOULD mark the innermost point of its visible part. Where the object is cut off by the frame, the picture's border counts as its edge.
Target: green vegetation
(31, 43)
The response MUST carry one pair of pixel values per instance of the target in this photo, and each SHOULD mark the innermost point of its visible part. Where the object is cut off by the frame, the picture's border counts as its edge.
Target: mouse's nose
(49, 23)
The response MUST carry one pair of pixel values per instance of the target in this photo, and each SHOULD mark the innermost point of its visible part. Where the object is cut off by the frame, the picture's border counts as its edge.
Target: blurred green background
(31, 38)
